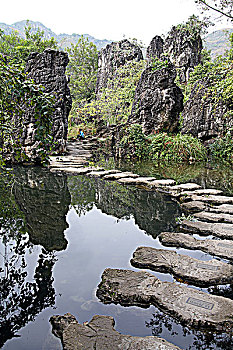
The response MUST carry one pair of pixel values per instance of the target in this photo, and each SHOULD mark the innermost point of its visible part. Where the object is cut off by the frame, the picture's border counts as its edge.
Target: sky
(103, 19)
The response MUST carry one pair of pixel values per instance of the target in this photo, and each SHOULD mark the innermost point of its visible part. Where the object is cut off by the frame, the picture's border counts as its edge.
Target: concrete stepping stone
(102, 173)
(194, 271)
(68, 165)
(209, 199)
(206, 191)
(221, 248)
(191, 306)
(137, 181)
(162, 183)
(100, 334)
(188, 186)
(73, 170)
(119, 175)
(193, 206)
(214, 217)
(221, 230)
(223, 208)
(127, 181)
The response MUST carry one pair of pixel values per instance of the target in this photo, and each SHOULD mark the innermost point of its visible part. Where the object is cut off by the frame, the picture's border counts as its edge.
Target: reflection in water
(44, 200)
(33, 201)
(161, 323)
(153, 212)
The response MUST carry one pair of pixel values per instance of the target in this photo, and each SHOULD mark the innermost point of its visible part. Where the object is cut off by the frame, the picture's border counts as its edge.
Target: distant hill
(218, 41)
(64, 40)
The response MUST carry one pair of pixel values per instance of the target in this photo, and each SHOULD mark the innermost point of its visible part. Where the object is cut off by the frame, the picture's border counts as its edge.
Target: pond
(59, 233)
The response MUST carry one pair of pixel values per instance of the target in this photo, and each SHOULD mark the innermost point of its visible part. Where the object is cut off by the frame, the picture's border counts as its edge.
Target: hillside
(64, 40)
(218, 41)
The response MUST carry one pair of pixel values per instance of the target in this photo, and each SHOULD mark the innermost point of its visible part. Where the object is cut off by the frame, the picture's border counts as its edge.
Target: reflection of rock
(44, 199)
(153, 212)
(99, 333)
(190, 306)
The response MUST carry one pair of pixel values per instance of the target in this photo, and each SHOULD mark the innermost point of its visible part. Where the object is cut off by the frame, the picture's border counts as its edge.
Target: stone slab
(99, 334)
(193, 206)
(187, 186)
(223, 208)
(102, 173)
(194, 271)
(190, 306)
(206, 191)
(162, 183)
(214, 217)
(127, 181)
(221, 248)
(120, 175)
(210, 199)
(221, 230)
(73, 170)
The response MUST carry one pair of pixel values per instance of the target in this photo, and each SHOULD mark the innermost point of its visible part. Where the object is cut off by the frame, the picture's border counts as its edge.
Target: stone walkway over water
(207, 213)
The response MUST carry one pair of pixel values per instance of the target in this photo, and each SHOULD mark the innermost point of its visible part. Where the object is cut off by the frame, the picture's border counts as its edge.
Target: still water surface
(58, 234)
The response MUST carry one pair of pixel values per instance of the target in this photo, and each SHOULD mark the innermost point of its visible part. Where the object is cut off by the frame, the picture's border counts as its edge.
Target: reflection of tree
(152, 211)
(44, 200)
(197, 340)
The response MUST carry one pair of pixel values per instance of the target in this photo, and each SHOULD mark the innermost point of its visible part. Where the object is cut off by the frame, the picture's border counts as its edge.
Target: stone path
(200, 273)
(189, 305)
(209, 213)
(100, 334)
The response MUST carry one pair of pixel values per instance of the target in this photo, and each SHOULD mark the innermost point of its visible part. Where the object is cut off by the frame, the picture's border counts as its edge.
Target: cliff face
(48, 69)
(158, 100)
(203, 117)
(111, 58)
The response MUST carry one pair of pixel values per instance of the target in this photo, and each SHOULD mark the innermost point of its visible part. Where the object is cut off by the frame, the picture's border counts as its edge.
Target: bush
(222, 148)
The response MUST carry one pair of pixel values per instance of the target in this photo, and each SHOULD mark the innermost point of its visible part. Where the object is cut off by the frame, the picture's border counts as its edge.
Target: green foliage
(18, 93)
(222, 148)
(82, 70)
(18, 48)
(221, 7)
(135, 142)
(194, 26)
(177, 148)
(158, 64)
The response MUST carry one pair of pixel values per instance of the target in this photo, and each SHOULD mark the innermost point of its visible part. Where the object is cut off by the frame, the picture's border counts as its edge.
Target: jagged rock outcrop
(158, 100)
(48, 69)
(182, 47)
(112, 57)
(203, 117)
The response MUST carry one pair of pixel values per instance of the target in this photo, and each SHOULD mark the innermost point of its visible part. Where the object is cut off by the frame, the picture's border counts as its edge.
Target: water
(58, 234)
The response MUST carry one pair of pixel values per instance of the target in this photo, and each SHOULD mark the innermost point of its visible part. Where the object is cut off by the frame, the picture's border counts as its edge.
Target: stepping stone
(188, 305)
(193, 206)
(221, 248)
(100, 334)
(207, 191)
(189, 186)
(206, 228)
(68, 165)
(127, 181)
(223, 208)
(102, 173)
(120, 175)
(197, 272)
(214, 217)
(76, 171)
(210, 199)
(162, 183)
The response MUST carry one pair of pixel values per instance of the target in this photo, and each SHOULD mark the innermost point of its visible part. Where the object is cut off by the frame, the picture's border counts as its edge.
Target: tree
(82, 70)
(223, 7)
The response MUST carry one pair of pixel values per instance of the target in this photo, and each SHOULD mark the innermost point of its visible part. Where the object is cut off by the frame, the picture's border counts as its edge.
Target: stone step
(185, 187)
(214, 217)
(194, 271)
(162, 183)
(137, 181)
(100, 334)
(68, 165)
(206, 228)
(209, 199)
(221, 248)
(119, 175)
(102, 173)
(73, 170)
(188, 305)
(197, 206)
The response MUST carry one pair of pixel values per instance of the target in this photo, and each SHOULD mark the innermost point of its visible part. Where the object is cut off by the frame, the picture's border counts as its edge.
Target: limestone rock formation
(48, 69)
(182, 47)
(112, 57)
(158, 100)
(99, 333)
(203, 117)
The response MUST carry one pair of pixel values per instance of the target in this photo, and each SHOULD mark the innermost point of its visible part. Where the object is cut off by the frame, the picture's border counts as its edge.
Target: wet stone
(120, 175)
(210, 199)
(223, 208)
(190, 306)
(223, 248)
(102, 173)
(100, 334)
(73, 170)
(206, 191)
(214, 217)
(189, 269)
(221, 230)
(187, 186)
(162, 183)
(193, 206)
